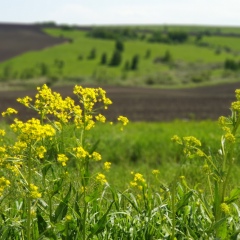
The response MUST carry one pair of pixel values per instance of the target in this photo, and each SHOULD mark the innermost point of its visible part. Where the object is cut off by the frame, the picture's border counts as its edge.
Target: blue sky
(98, 12)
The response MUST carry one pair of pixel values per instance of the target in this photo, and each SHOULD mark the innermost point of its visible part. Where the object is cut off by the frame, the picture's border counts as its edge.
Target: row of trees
(169, 37)
(116, 57)
(113, 33)
(231, 64)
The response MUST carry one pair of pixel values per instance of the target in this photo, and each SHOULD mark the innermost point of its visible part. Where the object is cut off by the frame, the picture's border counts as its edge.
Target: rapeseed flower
(25, 101)
(101, 178)
(40, 151)
(225, 208)
(34, 191)
(138, 181)
(62, 158)
(101, 118)
(155, 172)
(107, 166)
(3, 184)
(96, 156)
(123, 119)
(32, 130)
(9, 111)
(80, 152)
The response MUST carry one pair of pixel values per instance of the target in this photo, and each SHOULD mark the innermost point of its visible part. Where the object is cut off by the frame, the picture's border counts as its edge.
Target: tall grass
(54, 183)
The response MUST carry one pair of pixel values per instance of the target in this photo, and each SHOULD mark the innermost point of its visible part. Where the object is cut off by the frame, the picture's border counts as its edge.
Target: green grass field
(70, 174)
(190, 63)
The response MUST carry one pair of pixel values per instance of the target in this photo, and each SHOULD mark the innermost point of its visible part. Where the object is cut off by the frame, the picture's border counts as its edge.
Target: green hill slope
(166, 64)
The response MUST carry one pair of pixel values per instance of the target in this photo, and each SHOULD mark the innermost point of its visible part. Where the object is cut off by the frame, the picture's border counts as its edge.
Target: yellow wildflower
(34, 191)
(107, 166)
(101, 178)
(155, 172)
(40, 151)
(62, 158)
(25, 101)
(96, 156)
(123, 119)
(9, 111)
(101, 118)
(80, 152)
(225, 208)
(3, 184)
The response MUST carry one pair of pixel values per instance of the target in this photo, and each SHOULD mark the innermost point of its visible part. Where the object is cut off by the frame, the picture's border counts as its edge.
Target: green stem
(84, 214)
(173, 210)
(29, 201)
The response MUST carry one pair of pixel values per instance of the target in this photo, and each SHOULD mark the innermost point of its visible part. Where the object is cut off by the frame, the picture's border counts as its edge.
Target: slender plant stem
(29, 180)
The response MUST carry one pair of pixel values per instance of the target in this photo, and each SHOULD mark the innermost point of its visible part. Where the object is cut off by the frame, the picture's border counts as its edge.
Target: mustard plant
(218, 169)
(46, 149)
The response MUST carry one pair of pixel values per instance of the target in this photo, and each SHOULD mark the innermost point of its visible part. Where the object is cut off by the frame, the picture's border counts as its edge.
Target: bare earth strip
(16, 39)
(145, 104)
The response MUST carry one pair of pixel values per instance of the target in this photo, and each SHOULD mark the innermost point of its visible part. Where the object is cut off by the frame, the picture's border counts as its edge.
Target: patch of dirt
(16, 39)
(145, 104)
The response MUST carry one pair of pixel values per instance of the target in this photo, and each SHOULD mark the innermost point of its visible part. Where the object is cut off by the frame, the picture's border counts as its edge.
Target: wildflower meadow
(54, 182)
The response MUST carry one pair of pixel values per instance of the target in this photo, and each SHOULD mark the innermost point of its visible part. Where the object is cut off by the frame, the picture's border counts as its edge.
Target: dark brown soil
(16, 39)
(144, 104)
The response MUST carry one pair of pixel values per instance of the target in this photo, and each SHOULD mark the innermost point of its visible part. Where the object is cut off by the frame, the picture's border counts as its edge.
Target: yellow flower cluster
(236, 105)
(3, 184)
(107, 166)
(34, 191)
(90, 96)
(123, 119)
(101, 118)
(9, 111)
(32, 130)
(2, 132)
(81, 153)
(18, 148)
(25, 101)
(40, 151)
(225, 208)
(62, 158)
(190, 145)
(155, 172)
(96, 156)
(228, 135)
(101, 178)
(64, 110)
(138, 181)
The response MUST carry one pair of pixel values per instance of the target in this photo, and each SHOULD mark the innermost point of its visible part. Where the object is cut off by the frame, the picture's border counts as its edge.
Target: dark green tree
(116, 58)
(119, 45)
(134, 63)
(167, 57)
(92, 54)
(103, 59)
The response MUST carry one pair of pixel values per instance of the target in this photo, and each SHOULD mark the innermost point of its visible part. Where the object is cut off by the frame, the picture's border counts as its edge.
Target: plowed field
(144, 104)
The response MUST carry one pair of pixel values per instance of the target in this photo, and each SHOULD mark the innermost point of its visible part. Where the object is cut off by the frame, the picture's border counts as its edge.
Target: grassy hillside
(199, 60)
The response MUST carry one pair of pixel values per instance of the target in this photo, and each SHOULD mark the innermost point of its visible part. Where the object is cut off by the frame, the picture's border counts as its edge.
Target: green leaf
(57, 186)
(62, 208)
(234, 236)
(184, 200)
(42, 225)
(100, 225)
(234, 195)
